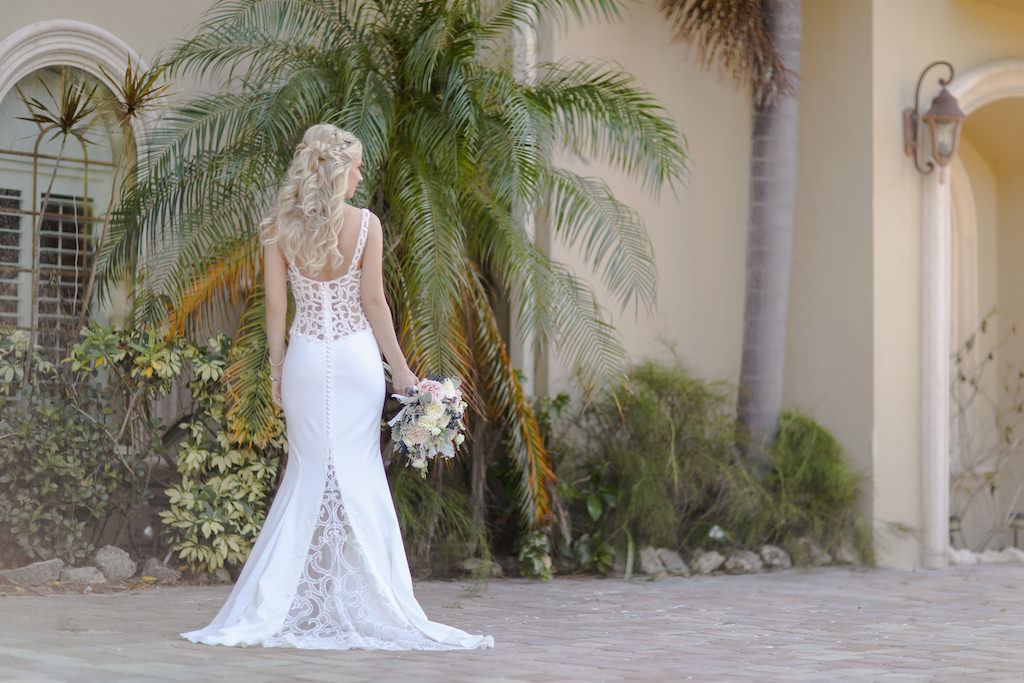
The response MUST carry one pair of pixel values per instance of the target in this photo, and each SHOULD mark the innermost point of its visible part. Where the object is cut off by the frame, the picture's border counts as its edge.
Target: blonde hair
(310, 210)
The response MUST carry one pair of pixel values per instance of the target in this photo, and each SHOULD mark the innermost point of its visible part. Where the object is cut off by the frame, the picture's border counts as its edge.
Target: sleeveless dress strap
(360, 243)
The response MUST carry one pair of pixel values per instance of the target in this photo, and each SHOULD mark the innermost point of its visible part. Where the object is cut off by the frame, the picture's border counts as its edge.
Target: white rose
(459, 438)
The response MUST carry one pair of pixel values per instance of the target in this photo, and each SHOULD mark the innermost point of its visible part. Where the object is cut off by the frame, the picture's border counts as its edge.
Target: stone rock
(158, 570)
(743, 562)
(814, 554)
(846, 553)
(509, 564)
(221, 575)
(650, 563)
(473, 565)
(82, 575)
(116, 564)
(673, 562)
(707, 562)
(775, 557)
(35, 574)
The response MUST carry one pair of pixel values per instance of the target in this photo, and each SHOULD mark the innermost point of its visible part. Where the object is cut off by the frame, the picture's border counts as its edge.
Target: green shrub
(534, 555)
(226, 487)
(437, 526)
(814, 489)
(665, 451)
(660, 467)
(68, 462)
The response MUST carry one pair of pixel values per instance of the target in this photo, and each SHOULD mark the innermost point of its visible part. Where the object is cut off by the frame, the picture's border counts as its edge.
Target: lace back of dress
(328, 310)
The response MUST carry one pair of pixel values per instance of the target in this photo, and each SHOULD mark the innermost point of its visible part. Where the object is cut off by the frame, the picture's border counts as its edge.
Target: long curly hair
(306, 219)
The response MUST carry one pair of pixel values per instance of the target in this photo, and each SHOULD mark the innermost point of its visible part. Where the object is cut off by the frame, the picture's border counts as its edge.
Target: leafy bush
(535, 555)
(68, 460)
(665, 452)
(227, 484)
(661, 468)
(437, 526)
(815, 490)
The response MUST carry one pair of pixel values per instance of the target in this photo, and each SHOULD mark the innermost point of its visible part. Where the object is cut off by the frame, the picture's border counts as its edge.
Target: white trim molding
(64, 42)
(976, 88)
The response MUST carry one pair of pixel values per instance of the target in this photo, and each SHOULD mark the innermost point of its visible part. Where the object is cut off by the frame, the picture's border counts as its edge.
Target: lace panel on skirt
(340, 602)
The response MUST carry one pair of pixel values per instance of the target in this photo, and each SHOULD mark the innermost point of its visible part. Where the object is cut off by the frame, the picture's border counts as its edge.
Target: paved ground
(958, 624)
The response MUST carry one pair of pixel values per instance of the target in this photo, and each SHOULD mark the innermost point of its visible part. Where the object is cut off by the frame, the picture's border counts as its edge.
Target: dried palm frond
(736, 35)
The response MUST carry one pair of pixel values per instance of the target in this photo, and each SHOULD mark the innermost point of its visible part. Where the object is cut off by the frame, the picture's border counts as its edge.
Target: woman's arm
(375, 305)
(275, 285)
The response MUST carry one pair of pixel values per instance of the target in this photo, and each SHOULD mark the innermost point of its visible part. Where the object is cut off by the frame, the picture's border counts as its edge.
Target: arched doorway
(987, 392)
(985, 85)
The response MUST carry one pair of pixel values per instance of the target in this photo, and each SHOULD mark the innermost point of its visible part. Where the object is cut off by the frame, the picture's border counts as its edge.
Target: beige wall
(147, 25)
(983, 188)
(829, 342)
(699, 236)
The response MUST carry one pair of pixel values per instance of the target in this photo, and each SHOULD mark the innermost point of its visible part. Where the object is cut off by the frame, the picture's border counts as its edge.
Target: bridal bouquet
(430, 421)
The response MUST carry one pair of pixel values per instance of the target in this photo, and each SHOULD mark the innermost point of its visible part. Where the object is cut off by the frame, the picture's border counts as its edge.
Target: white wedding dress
(329, 570)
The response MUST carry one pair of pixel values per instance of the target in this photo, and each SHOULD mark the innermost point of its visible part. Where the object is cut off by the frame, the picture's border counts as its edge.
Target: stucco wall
(699, 235)
(147, 26)
(829, 339)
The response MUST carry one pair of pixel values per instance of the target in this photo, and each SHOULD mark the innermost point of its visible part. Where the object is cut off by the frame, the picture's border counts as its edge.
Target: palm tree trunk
(773, 167)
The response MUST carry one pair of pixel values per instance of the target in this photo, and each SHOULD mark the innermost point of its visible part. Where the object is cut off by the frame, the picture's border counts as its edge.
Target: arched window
(54, 192)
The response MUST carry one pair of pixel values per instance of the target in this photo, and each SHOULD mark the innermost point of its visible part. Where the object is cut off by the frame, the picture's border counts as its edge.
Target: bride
(329, 570)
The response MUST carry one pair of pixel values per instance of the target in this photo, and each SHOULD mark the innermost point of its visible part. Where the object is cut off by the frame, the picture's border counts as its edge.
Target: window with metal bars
(62, 253)
(12, 266)
(63, 240)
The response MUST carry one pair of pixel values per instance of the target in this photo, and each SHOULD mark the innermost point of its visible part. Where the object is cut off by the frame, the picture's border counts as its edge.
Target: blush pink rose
(417, 435)
(432, 387)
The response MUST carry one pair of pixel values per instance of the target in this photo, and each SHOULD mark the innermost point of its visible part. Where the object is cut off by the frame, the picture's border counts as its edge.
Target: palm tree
(455, 149)
(758, 42)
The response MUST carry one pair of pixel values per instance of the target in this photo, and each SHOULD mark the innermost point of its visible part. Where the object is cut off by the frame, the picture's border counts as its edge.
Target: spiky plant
(68, 114)
(136, 94)
(457, 150)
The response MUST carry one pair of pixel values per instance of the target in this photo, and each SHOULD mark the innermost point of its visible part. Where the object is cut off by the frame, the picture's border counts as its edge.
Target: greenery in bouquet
(430, 422)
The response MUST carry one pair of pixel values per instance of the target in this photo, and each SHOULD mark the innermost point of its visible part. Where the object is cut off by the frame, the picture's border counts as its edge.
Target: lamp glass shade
(944, 119)
(945, 139)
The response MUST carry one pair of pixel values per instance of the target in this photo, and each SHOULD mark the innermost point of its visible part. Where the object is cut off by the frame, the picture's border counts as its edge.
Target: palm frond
(508, 403)
(597, 107)
(252, 416)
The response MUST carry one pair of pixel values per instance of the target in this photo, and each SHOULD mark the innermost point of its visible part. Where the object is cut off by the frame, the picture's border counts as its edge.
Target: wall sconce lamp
(944, 119)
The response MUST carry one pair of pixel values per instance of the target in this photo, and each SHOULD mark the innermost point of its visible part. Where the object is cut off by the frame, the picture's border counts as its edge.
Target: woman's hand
(404, 381)
(275, 391)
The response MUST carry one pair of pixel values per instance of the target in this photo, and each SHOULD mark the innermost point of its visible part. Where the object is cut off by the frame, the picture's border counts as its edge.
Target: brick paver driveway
(959, 624)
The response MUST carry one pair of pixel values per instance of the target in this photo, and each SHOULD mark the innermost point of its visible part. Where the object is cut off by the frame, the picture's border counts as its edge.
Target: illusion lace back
(327, 310)
(329, 570)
